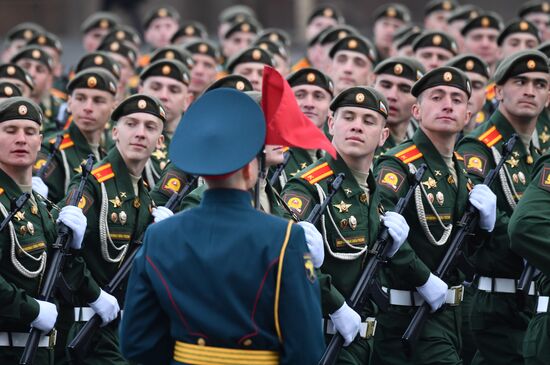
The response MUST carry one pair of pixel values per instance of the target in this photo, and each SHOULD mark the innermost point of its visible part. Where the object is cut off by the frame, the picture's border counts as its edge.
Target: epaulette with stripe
(490, 91)
(490, 137)
(317, 173)
(103, 173)
(409, 154)
(65, 143)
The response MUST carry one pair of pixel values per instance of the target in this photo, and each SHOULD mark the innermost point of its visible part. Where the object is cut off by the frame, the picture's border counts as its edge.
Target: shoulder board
(58, 94)
(302, 63)
(458, 156)
(490, 137)
(103, 173)
(318, 173)
(409, 154)
(490, 92)
(65, 143)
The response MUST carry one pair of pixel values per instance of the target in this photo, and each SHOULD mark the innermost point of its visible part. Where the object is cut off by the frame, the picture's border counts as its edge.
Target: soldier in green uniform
(328, 38)
(436, 13)
(528, 229)
(518, 35)
(91, 101)
(439, 203)
(456, 21)
(351, 222)
(498, 321)
(95, 27)
(542, 140)
(313, 91)
(52, 44)
(394, 79)
(38, 63)
(434, 48)
(125, 54)
(321, 18)
(205, 62)
(118, 206)
(9, 90)
(168, 81)
(403, 40)
(250, 64)
(279, 52)
(477, 71)
(10, 72)
(159, 26)
(388, 18)
(480, 37)
(17, 37)
(238, 37)
(26, 241)
(189, 31)
(537, 11)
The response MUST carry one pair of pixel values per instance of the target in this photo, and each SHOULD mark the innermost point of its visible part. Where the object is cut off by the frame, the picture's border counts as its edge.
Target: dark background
(63, 17)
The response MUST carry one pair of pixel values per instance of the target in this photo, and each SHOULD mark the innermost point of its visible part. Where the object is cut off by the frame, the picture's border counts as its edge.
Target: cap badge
(203, 48)
(239, 85)
(142, 104)
(531, 64)
(352, 44)
(98, 60)
(104, 24)
(35, 54)
(189, 30)
(22, 110)
(92, 82)
(470, 65)
(166, 70)
(447, 76)
(398, 69)
(310, 77)
(256, 55)
(360, 97)
(328, 12)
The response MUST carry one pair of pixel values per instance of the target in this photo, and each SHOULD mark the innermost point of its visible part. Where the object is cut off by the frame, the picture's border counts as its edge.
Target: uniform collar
(11, 189)
(122, 175)
(425, 145)
(350, 187)
(504, 127)
(78, 138)
(226, 197)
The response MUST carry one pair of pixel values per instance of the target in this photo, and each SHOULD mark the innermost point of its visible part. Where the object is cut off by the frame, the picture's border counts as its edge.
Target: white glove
(434, 291)
(39, 186)
(314, 242)
(398, 230)
(485, 201)
(46, 317)
(106, 306)
(161, 213)
(76, 220)
(347, 322)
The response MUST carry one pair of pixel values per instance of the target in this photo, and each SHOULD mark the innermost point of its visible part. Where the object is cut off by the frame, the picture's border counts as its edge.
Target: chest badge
(430, 183)
(513, 162)
(352, 222)
(117, 203)
(342, 207)
(440, 198)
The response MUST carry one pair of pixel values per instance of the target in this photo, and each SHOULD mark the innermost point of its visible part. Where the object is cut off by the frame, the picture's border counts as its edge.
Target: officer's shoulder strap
(490, 137)
(317, 173)
(408, 154)
(103, 172)
(67, 142)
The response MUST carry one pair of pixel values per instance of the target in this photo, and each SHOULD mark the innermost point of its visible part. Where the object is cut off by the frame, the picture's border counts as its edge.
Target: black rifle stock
(467, 224)
(60, 248)
(367, 284)
(53, 150)
(280, 169)
(80, 345)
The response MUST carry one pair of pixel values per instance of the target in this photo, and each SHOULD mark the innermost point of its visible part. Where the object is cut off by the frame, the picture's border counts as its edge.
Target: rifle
(524, 283)
(16, 206)
(368, 284)
(319, 208)
(466, 226)
(60, 248)
(53, 150)
(80, 345)
(280, 169)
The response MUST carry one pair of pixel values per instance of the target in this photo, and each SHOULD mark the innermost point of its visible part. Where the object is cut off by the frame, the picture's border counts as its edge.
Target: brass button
(201, 342)
(247, 342)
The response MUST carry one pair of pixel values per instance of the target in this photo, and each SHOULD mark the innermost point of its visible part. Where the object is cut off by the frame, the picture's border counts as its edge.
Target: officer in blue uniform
(224, 282)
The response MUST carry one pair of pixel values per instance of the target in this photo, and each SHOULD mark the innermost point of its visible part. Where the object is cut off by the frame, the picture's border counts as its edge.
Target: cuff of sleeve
(91, 292)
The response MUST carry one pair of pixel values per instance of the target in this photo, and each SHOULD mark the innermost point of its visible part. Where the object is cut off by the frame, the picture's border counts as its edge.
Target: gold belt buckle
(459, 295)
(371, 327)
(53, 338)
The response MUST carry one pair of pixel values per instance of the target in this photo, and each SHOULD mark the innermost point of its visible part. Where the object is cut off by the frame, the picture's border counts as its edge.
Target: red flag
(286, 124)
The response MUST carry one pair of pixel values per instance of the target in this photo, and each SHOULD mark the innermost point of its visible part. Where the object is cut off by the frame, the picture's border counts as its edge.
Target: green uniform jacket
(173, 180)
(543, 131)
(495, 258)
(157, 163)
(126, 217)
(34, 229)
(66, 162)
(411, 266)
(356, 219)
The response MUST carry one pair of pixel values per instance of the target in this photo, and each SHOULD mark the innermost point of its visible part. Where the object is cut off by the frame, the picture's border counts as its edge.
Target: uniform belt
(542, 304)
(366, 331)
(200, 354)
(455, 294)
(84, 314)
(501, 285)
(19, 339)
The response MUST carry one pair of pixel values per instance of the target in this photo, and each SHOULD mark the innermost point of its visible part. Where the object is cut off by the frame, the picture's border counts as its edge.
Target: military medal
(303, 165)
(364, 198)
(513, 162)
(19, 216)
(430, 183)
(342, 207)
(162, 165)
(117, 203)
(23, 230)
(123, 217)
(451, 180)
(114, 217)
(521, 177)
(515, 178)
(440, 198)
(136, 203)
(30, 228)
(352, 222)
(431, 197)
(344, 223)
(34, 210)
(529, 160)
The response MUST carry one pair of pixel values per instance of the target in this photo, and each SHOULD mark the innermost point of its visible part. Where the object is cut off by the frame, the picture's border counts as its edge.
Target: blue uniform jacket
(221, 275)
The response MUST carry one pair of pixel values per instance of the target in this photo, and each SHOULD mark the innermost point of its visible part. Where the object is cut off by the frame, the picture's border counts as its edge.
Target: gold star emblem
(159, 154)
(117, 203)
(513, 162)
(342, 207)
(430, 183)
(544, 137)
(34, 210)
(19, 216)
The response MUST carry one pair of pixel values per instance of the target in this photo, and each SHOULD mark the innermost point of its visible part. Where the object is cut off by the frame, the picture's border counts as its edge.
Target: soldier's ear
(383, 136)
(415, 109)
(160, 141)
(69, 102)
(499, 95)
(330, 121)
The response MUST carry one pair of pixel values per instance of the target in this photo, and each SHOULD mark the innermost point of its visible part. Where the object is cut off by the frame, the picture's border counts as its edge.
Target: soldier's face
(482, 43)
(126, 69)
(542, 21)
(12, 48)
(406, 51)
(432, 57)
(160, 31)
(173, 95)
(357, 132)
(384, 28)
(281, 65)
(454, 30)
(20, 141)
(92, 39)
(397, 91)
(436, 20)
(90, 108)
(203, 73)
(313, 102)
(479, 83)
(516, 42)
(253, 71)
(318, 24)
(442, 110)
(237, 42)
(41, 76)
(523, 96)
(137, 135)
(350, 69)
